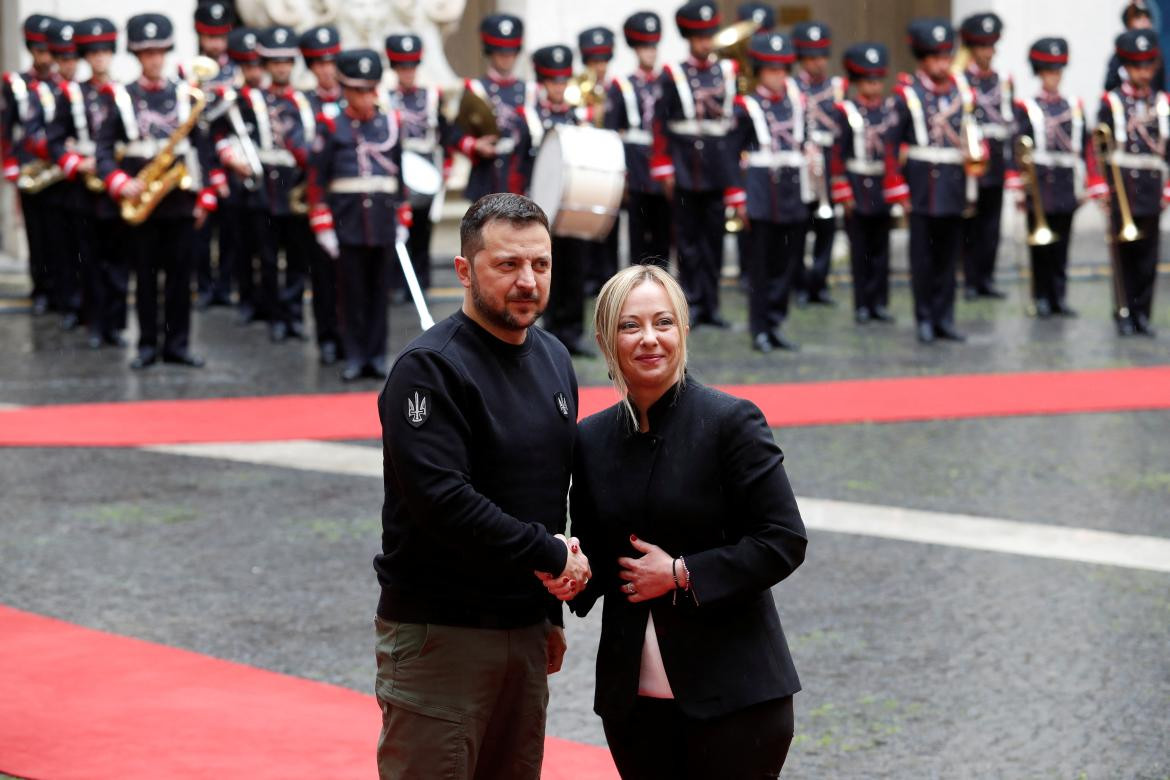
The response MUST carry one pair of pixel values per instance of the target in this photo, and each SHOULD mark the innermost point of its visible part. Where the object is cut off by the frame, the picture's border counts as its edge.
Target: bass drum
(578, 179)
(422, 178)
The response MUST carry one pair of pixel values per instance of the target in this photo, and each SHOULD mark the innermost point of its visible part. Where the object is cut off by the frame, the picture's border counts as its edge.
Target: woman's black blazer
(707, 483)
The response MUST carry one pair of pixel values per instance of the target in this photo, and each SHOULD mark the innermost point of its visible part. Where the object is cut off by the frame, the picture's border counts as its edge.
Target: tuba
(586, 91)
(1042, 234)
(165, 172)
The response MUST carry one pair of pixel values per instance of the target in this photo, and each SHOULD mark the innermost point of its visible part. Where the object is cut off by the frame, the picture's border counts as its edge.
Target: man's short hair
(515, 209)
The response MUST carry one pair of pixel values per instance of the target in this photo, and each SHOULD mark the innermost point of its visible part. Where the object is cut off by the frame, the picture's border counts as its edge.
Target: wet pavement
(917, 660)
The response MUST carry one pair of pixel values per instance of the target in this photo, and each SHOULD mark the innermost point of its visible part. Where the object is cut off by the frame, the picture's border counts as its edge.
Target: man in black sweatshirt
(479, 418)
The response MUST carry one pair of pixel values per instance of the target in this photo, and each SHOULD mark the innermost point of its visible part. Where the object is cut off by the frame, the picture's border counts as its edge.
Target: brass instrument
(94, 183)
(298, 200)
(38, 175)
(732, 43)
(1103, 137)
(974, 155)
(475, 116)
(1042, 234)
(961, 60)
(163, 173)
(585, 90)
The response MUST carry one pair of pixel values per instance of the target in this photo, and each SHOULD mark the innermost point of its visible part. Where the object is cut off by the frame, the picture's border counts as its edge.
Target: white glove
(328, 241)
(402, 233)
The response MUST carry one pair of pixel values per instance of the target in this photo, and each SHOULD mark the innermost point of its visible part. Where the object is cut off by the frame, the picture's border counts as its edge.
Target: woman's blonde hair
(607, 317)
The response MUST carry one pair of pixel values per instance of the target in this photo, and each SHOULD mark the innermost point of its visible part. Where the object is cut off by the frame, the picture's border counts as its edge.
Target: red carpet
(79, 703)
(355, 415)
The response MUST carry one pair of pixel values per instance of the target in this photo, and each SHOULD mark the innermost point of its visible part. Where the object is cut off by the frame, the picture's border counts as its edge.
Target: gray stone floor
(917, 661)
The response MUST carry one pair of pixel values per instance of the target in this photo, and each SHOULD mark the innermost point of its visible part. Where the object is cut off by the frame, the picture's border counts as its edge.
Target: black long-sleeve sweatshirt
(477, 441)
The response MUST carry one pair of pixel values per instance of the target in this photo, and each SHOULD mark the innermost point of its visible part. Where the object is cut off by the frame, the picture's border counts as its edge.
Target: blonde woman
(680, 500)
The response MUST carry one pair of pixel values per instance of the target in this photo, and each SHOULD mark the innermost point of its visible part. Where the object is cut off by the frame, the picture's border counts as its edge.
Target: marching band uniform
(866, 180)
(692, 120)
(355, 194)
(773, 130)
(1066, 171)
(930, 122)
(64, 200)
(105, 272)
(284, 148)
(993, 111)
(1140, 122)
(629, 110)
(142, 116)
(564, 317)
(509, 98)
(244, 218)
(814, 39)
(25, 100)
(323, 44)
(596, 47)
(425, 132)
(214, 282)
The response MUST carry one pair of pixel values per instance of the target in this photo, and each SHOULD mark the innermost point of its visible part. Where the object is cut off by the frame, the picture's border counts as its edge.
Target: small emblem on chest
(417, 407)
(562, 404)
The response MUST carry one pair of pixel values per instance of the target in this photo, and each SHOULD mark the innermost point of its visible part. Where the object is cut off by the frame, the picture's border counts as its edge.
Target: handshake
(574, 578)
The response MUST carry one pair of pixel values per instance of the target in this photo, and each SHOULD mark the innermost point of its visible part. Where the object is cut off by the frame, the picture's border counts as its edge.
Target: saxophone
(163, 173)
(37, 175)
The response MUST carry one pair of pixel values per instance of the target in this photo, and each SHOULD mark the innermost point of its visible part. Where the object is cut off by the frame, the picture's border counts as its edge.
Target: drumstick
(424, 316)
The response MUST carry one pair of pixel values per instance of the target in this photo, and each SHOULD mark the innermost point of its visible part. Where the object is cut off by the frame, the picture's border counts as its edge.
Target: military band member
(320, 47)
(993, 111)
(813, 45)
(355, 194)
(499, 163)
(1135, 16)
(596, 48)
(24, 101)
(244, 207)
(1139, 118)
(565, 315)
(63, 200)
(143, 115)
(693, 157)
(772, 127)
(931, 109)
(1065, 168)
(629, 110)
(866, 180)
(425, 132)
(105, 269)
(213, 22)
(284, 147)
(762, 14)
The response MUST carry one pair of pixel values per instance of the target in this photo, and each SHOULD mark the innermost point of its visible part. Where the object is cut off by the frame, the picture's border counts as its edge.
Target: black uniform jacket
(707, 483)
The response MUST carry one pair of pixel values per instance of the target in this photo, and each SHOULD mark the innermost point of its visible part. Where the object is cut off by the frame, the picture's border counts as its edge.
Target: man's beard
(501, 317)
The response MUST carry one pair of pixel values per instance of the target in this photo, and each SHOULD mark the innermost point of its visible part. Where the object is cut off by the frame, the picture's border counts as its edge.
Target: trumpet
(1103, 141)
(974, 155)
(1042, 234)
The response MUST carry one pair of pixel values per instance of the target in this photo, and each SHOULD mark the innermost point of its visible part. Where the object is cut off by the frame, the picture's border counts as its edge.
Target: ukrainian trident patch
(417, 407)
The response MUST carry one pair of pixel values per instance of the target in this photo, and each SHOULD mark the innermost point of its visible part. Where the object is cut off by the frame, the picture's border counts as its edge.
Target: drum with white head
(578, 179)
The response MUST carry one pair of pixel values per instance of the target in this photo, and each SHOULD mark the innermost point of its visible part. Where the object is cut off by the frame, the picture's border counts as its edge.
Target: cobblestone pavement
(917, 661)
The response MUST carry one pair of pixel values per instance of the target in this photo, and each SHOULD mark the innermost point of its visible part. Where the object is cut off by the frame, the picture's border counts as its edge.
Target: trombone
(1128, 233)
(1042, 234)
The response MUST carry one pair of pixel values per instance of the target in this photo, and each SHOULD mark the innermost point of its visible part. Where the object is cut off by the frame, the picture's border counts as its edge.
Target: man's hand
(485, 146)
(668, 188)
(574, 578)
(200, 217)
(557, 645)
(132, 188)
(240, 166)
(742, 212)
(649, 576)
(87, 165)
(328, 241)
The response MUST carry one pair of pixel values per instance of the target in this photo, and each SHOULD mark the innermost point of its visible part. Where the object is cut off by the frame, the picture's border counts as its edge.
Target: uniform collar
(877, 101)
(646, 75)
(978, 72)
(806, 79)
(556, 108)
(700, 64)
(329, 95)
(349, 112)
(151, 86)
(1129, 90)
(1048, 97)
(931, 86)
(500, 78)
(768, 94)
